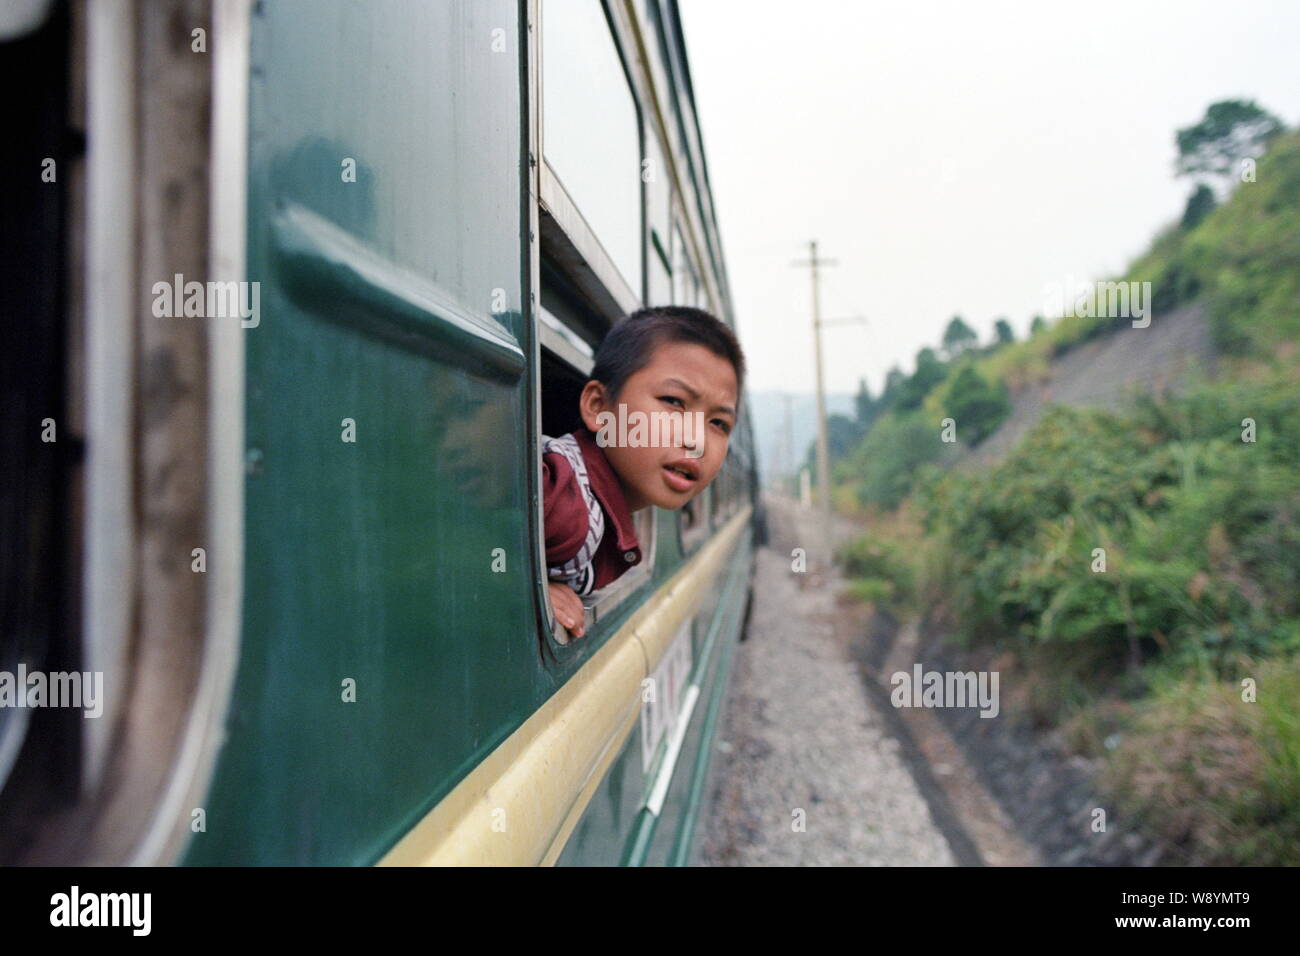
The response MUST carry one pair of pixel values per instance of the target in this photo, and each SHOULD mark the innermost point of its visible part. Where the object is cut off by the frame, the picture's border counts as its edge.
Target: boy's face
(680, 377)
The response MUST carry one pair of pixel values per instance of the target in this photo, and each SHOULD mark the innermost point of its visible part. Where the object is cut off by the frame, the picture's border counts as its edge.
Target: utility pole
(823, 456)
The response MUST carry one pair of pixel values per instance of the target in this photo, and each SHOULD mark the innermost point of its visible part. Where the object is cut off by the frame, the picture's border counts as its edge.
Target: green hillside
(1142, 562)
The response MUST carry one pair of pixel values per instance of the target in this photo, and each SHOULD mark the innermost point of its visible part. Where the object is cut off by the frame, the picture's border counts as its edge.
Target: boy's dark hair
(630, 344)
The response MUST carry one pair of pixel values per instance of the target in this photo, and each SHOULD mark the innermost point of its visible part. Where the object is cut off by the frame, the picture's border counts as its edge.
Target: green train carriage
(444, 207)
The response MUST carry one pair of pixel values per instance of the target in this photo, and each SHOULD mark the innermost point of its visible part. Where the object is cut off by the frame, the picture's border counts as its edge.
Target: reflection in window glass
(590, 135)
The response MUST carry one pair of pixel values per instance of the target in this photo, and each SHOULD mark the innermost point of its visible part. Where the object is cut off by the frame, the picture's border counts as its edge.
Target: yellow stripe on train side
(520, 804)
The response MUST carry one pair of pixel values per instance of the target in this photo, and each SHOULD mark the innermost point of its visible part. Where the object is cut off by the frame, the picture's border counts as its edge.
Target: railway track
(810, 770)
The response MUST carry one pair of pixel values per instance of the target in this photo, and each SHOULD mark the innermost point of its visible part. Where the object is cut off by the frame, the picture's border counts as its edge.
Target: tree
(1199, 205)
(1231, 131)
(842, 434)
(929, 373)
(958, 337)
(863, 402)
(1002, 330)
(977, 406)
(1036, 326)
(893, 382)
(889, 458)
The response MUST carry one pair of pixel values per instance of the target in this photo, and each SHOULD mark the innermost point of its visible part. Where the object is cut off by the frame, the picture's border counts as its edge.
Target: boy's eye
(723, 424)
(672, 398)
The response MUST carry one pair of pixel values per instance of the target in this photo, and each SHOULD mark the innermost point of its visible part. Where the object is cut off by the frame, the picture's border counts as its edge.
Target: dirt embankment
(1106, 372)
(1048, 794)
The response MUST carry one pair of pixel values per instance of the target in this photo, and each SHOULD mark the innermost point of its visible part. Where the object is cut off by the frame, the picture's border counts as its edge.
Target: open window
(592, 225)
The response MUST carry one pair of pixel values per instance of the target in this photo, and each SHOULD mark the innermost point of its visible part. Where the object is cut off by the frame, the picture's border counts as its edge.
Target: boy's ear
(591, 403)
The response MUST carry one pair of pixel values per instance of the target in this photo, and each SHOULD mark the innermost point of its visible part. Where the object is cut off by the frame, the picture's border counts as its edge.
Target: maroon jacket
(568, 521)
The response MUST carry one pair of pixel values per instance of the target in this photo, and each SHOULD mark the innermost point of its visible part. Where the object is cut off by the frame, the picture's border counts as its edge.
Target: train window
(693, 520)
(570, 325)
(685, 277)
(659, 223)
(603, 602)
(729, 480)
(681, 271)
(597, 163)
(722, 493)
(594, 234)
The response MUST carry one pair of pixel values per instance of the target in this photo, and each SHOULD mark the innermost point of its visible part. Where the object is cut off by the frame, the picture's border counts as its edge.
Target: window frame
(576, 258)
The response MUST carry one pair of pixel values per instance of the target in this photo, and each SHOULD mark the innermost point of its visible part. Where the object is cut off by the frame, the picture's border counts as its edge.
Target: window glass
(694, 519)
(659, 224)
(658, 188)
(683, 272)
(722, 492)
(590, 131)
(730, 490)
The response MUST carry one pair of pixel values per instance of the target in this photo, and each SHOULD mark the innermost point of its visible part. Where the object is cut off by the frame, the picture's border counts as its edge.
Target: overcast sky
(954, 157)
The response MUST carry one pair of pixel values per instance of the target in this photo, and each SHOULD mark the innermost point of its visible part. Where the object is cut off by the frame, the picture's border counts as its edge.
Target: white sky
(955, 157)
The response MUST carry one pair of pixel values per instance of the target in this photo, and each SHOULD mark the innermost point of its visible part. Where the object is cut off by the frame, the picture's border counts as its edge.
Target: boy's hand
(567, 607)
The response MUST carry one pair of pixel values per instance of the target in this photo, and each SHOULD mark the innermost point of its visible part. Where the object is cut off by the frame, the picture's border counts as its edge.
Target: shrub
(1197, 530)
(1213, 775)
